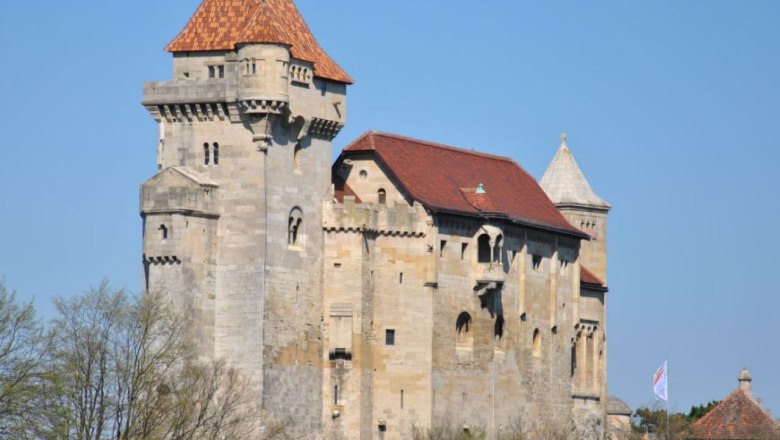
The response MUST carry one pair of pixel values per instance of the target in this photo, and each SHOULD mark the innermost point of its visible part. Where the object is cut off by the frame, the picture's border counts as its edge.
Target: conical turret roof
(220, 25)
(565, 184)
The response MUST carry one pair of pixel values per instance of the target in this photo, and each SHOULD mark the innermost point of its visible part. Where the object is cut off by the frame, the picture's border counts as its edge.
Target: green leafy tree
(675, 426)
(20, 356)
(699, 411)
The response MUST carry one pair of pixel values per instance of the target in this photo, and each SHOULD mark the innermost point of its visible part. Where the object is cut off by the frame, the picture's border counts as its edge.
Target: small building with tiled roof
(407, 283)
(739, 416)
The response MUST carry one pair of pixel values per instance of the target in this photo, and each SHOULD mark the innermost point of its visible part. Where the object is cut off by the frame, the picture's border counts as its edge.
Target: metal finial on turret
(564, 137)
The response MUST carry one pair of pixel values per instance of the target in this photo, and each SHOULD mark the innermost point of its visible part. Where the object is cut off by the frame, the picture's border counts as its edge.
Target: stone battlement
(398, 219)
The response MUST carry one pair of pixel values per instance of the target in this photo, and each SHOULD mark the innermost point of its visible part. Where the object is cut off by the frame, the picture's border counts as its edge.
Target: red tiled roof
(439, 177)
(222, 24)
(341, 189)
(738, 416)
(588, 277)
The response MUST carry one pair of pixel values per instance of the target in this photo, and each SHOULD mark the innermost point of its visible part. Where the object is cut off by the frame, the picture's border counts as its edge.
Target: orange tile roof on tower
(737, 417)
(220, 25)
(463, 182)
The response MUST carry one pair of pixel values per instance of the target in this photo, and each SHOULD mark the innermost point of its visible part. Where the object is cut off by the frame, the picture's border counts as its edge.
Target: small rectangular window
(389, 337)
(442, 245)
(211, 72)
(463, 247)
(221, 71)
(401, 278)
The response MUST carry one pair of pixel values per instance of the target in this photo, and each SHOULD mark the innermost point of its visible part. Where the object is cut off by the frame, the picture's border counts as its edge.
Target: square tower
(232, 220)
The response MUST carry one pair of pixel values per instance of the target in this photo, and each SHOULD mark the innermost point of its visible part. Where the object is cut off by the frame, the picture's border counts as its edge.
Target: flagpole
(668, 428)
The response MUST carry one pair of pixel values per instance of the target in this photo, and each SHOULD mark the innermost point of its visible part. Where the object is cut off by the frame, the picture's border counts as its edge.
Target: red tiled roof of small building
(341, 189)
(737, 417)
(587, 277)
(438, 176)
(220, 25)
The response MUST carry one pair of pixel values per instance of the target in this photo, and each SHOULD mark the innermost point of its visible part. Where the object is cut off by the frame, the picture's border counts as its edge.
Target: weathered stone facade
(360, 313)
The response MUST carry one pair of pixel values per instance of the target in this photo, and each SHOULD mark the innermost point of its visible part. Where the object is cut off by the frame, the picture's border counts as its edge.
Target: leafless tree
(124, 367)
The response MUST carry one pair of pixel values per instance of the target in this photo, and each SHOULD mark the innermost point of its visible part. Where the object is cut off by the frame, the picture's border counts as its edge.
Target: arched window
(163, 232)
(216, 153)
(381, 196)
(483, 248)
(537, 343)
(497, 249)
(297, 158)
(294, 227)
(206, 155)
(465, 337)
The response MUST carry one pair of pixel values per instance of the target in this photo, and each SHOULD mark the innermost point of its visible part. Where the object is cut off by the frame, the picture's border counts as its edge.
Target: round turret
(263, 77)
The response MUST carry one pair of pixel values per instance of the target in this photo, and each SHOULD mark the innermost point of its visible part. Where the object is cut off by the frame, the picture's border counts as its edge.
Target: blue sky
(671, 109)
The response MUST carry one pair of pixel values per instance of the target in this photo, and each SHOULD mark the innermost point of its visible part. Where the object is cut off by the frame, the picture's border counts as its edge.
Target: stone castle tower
(569, 190)
(233, 219)
(409, 283)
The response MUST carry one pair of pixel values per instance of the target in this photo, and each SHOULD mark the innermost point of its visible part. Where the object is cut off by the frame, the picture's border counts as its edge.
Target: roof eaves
(502, 216)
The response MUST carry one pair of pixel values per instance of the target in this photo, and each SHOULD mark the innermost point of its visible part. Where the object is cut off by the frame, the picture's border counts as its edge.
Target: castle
(408, 284)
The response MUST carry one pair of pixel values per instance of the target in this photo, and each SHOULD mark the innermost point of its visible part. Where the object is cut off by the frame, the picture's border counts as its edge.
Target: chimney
(744, 381)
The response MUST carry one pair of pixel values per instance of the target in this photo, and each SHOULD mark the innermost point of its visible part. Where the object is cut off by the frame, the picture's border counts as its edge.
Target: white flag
(661, 383)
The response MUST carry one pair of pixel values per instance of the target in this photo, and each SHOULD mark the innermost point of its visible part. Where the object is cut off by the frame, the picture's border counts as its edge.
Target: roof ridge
(433, 144)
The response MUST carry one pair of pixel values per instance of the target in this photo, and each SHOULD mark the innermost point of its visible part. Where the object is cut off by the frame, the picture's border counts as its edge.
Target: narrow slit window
(442, 246)
(163, 232)
(216, 153)
(298, 158)
(336, 395)
(206, 155)
(401, 278)
(537, 343)
(390, 337)
(463, 248)
(402, 399)
(254, 67)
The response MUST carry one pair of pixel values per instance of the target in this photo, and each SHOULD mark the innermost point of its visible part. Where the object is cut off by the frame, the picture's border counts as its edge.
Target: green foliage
(672, 427)
(20, 359)
(697, 412)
